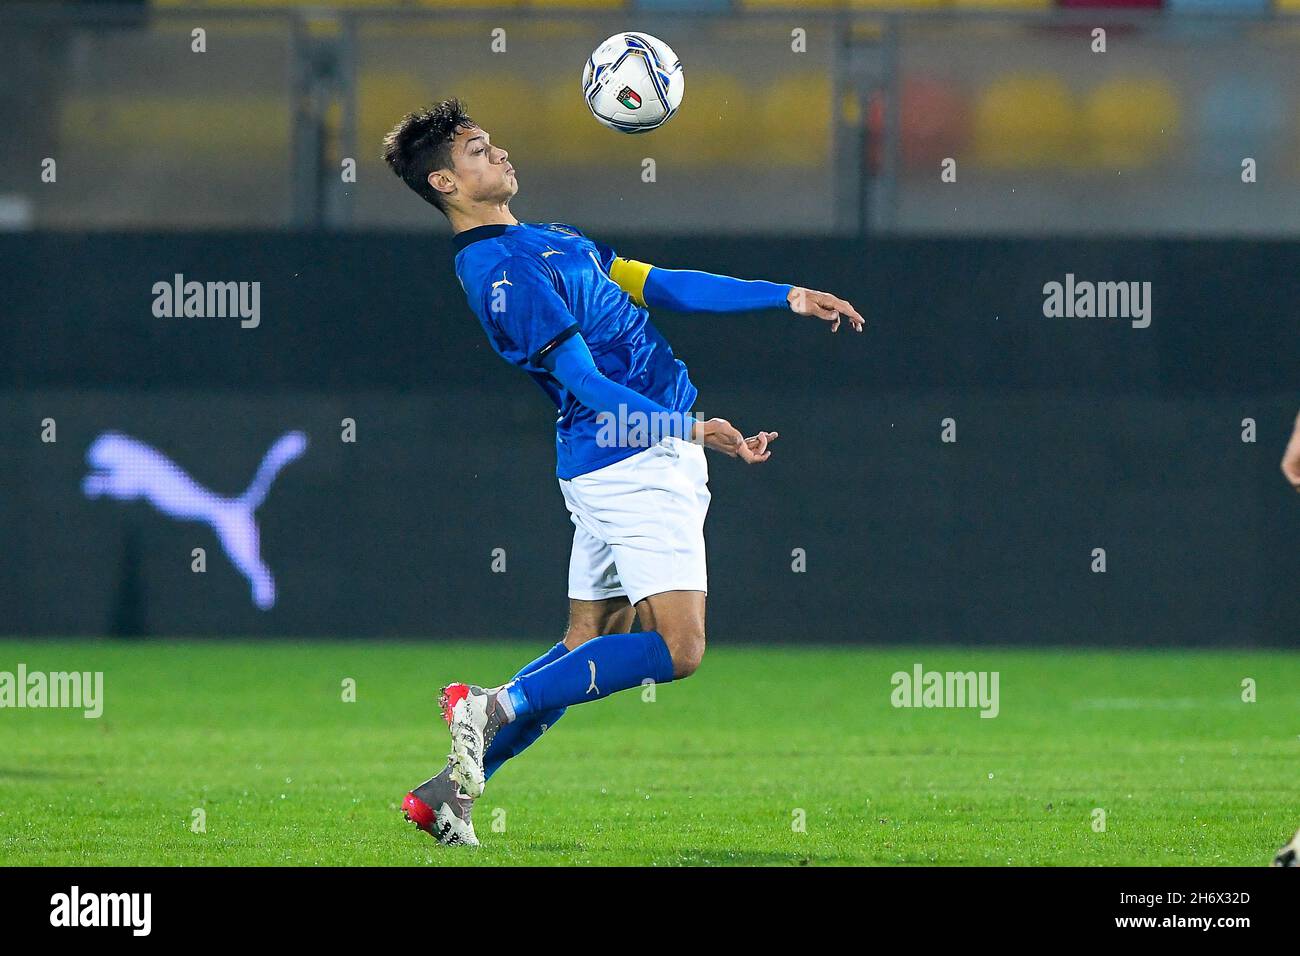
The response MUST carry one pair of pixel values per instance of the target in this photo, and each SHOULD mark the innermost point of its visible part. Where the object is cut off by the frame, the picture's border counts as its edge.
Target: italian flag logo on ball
(627, 96)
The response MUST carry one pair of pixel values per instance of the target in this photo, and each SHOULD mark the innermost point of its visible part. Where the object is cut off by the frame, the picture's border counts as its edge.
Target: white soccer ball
(633, 82)
(1289, 855)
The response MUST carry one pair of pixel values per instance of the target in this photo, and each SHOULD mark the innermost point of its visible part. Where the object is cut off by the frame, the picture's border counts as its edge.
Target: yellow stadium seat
(571, 134)
(493, 99)
(382, 99)
(715, 124)
(227, 129)
(793, 121)
(721, 121)
(1024, 120)
(506, 106)
(1130, 121)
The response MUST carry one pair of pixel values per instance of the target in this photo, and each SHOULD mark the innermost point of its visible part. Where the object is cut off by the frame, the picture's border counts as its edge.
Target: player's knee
(687, 650)
(575, 637)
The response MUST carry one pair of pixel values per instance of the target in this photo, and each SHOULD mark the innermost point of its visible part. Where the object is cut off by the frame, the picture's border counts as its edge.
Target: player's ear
(443, 181)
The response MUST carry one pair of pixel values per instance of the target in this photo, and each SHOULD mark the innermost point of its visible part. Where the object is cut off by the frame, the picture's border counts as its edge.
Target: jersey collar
(462, 239)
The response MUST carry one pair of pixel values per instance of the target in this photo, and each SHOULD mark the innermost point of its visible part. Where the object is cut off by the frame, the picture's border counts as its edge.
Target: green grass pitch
(716, 770)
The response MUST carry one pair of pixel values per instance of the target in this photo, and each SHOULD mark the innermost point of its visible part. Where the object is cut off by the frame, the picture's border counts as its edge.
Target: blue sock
(593, 670)
(516, 737)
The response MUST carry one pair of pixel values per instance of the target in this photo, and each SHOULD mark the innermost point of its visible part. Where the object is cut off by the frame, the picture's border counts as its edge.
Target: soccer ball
(633, 82)
(1289, 855)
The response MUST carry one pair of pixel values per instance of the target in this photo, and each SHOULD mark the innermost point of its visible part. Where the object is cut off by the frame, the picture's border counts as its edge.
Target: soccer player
(630, 457)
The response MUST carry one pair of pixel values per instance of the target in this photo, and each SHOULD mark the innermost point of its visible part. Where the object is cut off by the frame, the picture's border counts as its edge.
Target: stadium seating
(1023, 120)
(1130, 122)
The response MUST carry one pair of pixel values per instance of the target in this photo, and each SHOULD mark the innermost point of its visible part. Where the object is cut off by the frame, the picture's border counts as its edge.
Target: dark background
(1073, 434)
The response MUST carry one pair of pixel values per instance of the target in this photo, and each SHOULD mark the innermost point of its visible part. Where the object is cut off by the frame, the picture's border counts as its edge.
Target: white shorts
(639, 524)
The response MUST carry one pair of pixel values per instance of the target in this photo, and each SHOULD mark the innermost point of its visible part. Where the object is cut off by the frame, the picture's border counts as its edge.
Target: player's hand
(823, 305)
(720, 435)
(1291, 457)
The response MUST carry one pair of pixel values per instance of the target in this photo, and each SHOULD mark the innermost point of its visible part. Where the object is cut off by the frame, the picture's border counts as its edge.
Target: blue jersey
(534, 285)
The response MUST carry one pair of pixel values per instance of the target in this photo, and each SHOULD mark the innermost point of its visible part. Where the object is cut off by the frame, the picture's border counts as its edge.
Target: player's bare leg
(590, 619)
(679, 617)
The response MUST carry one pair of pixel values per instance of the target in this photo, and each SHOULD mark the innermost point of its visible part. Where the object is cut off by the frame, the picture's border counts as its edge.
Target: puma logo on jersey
(125, 468)
(551, 252)
(502, 281)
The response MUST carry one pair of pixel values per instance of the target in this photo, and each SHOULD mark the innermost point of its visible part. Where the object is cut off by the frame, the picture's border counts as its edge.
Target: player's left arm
(688, 290)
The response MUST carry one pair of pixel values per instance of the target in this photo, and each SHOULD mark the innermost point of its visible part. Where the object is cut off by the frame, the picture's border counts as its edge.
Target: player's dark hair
(421, 143)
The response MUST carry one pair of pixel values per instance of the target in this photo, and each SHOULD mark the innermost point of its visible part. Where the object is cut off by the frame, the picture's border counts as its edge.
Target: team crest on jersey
(627, 96)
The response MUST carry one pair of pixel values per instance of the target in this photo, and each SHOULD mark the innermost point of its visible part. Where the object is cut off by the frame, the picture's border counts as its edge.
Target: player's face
(483, 171)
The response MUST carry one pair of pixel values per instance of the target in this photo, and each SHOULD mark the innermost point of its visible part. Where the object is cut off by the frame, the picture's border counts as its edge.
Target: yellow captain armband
(630, 276)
